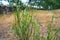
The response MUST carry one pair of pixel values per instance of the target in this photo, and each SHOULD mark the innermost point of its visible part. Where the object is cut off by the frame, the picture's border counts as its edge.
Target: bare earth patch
(6, 22)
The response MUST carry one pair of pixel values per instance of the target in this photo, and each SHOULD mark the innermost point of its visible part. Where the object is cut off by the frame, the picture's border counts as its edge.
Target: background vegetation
(26, 27)
(24, 21)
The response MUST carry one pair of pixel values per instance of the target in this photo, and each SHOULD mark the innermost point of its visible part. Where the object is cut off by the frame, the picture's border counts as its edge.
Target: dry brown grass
(43, 17)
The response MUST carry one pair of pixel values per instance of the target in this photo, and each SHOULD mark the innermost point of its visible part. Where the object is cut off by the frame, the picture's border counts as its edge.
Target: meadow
(43, 20)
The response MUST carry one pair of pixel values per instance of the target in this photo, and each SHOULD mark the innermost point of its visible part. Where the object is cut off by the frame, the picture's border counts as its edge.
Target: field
(43, 17)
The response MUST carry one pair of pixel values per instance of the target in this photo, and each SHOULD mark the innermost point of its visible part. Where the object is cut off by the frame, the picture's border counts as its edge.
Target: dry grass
(42, 16)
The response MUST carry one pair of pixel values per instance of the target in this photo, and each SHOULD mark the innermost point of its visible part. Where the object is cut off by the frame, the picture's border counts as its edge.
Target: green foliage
(26, 27)
(47, 4)
(22, 28)
(54, 4)
(52, 32)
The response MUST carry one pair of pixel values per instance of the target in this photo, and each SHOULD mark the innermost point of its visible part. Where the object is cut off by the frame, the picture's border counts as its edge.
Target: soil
(6, 22)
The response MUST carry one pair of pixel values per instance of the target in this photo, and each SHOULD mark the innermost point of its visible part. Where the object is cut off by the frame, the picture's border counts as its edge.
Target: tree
(52, 4)
(46, 4)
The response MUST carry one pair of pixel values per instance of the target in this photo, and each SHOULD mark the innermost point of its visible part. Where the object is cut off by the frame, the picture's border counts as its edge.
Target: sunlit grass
(24, 26)
(27, 28)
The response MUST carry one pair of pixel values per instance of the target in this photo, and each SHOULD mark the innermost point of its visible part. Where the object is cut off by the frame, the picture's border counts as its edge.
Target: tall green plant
(24, 21)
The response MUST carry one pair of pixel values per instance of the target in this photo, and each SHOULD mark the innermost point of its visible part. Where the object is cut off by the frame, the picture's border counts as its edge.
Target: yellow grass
(43, 16)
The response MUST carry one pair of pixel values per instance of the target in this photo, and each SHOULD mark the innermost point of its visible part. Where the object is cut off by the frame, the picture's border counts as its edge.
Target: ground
(44, 17)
